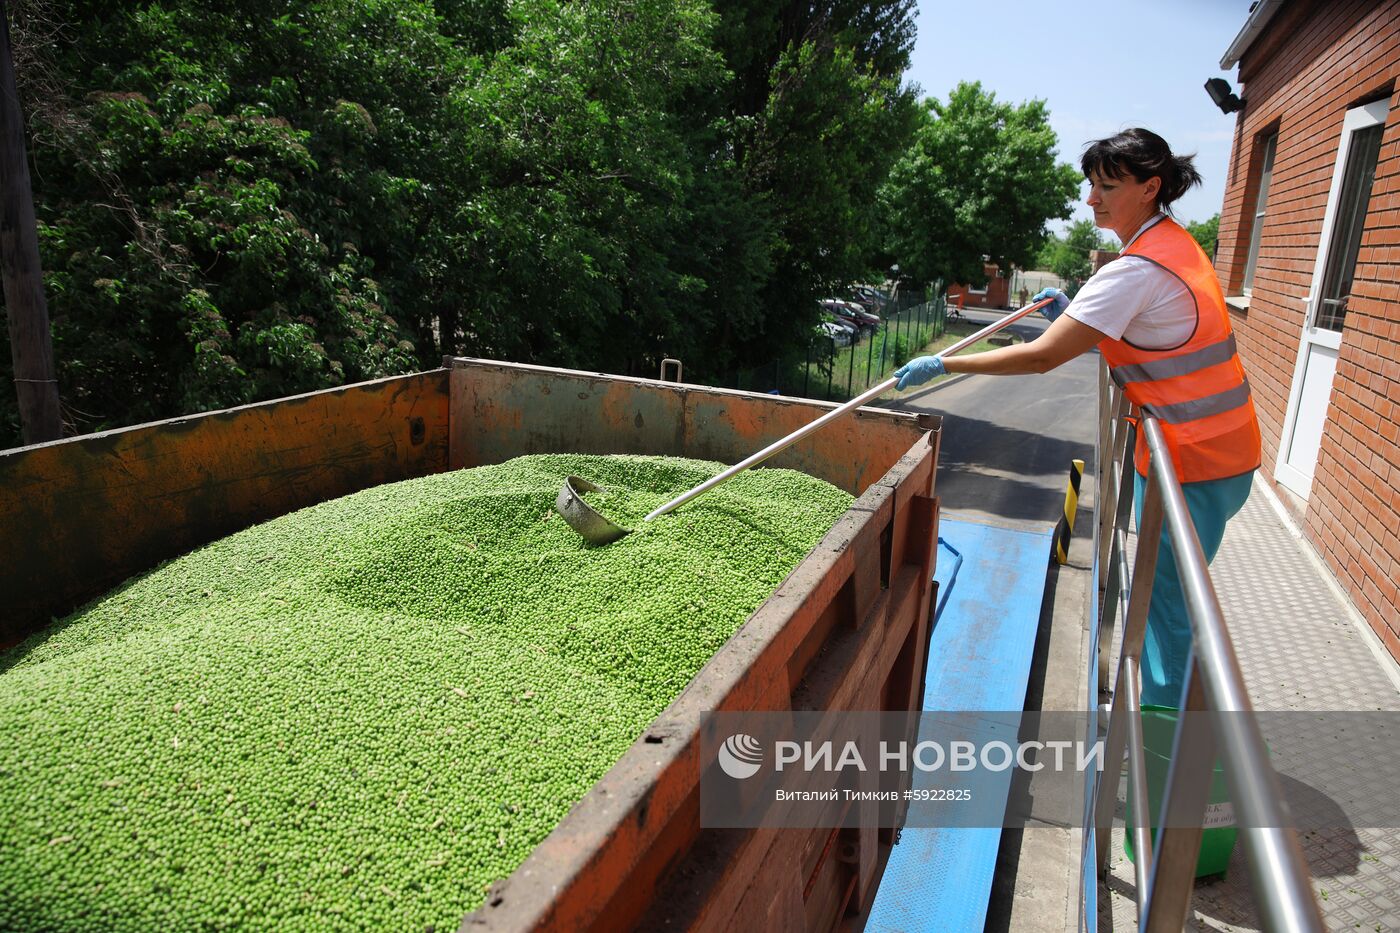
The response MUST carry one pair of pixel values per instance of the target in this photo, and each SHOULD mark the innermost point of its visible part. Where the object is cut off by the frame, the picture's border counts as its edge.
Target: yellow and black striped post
(1065, 527)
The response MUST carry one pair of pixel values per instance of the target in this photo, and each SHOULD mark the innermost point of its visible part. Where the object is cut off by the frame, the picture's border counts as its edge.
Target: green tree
(240, 201)
(563, 221)
(243, 201)
(1205, 233)
(823, 146)
(1068, 256)
(978, 184)
(819, 115)
(216, 186)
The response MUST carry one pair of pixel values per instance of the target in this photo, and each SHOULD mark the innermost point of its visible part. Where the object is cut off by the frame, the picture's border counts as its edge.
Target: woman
(1158, 317)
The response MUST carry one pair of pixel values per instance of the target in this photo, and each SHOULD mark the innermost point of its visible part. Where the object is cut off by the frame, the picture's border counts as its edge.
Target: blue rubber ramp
(991, 585)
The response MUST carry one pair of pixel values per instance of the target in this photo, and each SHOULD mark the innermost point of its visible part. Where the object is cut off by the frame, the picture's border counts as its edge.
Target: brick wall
(995, 294)
(1317, 59)
(1098, 258)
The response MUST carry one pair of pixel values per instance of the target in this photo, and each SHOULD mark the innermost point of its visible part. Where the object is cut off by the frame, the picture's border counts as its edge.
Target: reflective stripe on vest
(1211, 355)
(1196, 408)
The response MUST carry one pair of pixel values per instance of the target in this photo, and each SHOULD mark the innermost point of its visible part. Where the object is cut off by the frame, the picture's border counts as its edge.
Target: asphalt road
(1008, 440)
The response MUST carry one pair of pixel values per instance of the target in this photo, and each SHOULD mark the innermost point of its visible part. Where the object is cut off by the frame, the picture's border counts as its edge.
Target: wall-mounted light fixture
(1224, 98)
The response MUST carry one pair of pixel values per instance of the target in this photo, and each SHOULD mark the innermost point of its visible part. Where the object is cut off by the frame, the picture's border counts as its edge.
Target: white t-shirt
(1136, 300)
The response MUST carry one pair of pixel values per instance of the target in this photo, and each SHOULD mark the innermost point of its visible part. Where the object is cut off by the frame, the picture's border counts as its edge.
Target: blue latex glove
(1052, 311)
(919, 370)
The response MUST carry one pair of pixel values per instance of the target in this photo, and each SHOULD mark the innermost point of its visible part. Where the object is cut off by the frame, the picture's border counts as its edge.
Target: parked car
(856, 298)
(866, 301)
(866, 322)
(868, 319)
(849, 330)
(877, 298)
(840, 336)
(838, 312)
(843, 321)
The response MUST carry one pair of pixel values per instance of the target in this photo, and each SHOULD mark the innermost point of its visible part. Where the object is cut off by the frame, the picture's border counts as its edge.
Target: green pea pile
(361, 714)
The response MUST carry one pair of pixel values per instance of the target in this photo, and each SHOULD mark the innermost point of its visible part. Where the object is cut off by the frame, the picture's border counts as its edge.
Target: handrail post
(1119, 429)
(1123, 722)
(1138, 797)
(1103, 458)
(1165, 902)
(1115, 601)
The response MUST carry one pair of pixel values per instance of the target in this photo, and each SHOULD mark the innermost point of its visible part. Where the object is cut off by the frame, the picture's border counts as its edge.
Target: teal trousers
(1166, 649)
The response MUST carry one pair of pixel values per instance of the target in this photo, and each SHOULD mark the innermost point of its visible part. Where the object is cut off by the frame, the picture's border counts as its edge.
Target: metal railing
(1214, 685)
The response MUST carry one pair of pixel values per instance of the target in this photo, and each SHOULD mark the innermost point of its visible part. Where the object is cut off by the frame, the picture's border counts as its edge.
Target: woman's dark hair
(1142, 154)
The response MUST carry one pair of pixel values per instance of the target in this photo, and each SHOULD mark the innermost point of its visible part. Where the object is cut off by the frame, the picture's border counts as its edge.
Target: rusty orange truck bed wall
(501, 411)
(79, 516)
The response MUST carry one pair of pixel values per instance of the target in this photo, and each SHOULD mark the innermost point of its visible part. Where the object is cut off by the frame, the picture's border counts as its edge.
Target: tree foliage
(241, 201)
(978, 184)
(1205, 233)
(1068, 256)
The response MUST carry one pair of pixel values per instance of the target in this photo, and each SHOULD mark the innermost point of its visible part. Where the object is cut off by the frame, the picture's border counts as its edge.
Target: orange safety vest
(1197, 389)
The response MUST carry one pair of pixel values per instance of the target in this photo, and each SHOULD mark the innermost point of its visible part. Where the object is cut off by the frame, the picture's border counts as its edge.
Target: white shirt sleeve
(1137, 300)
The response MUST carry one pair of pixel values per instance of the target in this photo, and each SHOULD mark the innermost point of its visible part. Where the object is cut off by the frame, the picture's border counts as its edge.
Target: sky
(1101, 67)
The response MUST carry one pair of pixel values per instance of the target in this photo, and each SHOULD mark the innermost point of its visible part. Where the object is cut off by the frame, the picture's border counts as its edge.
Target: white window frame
(1261, 199)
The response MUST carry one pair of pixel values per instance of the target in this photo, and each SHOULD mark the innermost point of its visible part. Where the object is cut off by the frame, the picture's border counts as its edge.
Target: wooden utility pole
(31, 345)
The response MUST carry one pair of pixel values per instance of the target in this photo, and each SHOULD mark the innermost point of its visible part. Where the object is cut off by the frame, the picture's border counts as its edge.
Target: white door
(1327, 301)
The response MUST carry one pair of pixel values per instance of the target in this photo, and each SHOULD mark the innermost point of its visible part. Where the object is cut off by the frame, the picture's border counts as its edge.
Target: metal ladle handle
(859, 400)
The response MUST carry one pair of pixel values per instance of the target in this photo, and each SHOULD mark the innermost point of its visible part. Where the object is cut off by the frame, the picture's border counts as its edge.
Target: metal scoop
(583, 518)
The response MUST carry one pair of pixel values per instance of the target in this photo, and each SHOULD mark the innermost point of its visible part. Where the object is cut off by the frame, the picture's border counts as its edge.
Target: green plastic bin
(1218, 838)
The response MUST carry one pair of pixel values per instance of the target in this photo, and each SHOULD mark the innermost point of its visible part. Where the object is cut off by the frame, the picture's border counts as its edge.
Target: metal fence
(824, 370)
(1026, 282)
(1214, 685)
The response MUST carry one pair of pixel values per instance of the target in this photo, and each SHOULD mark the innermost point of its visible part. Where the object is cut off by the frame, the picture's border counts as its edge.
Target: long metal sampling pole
(866, 396)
